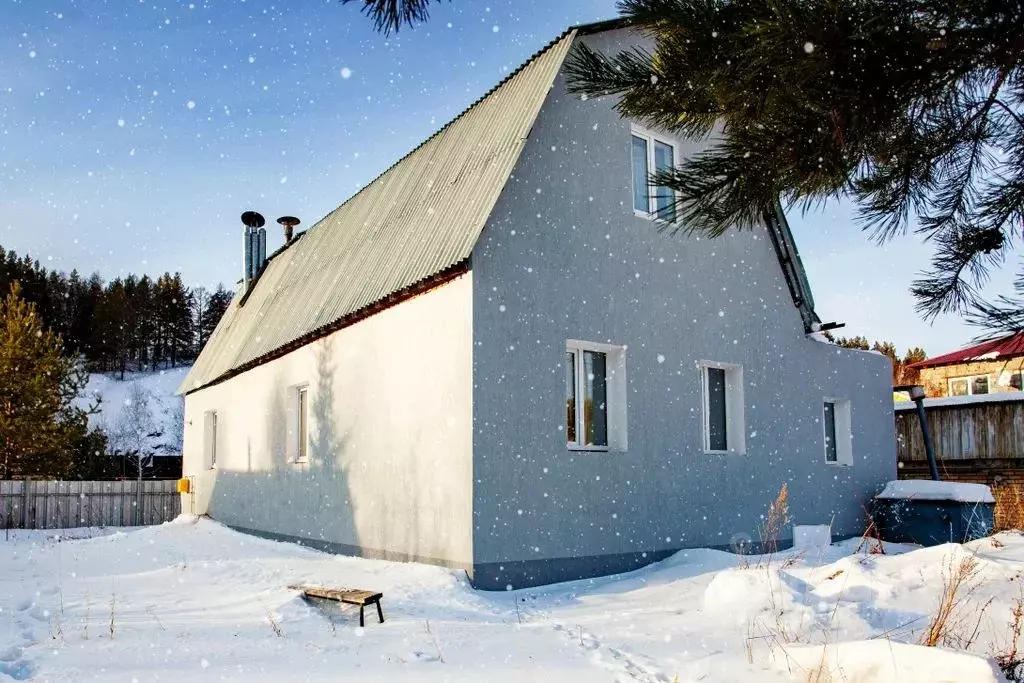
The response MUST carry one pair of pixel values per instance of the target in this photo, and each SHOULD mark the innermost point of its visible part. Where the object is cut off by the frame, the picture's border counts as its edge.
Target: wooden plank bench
(344, 595)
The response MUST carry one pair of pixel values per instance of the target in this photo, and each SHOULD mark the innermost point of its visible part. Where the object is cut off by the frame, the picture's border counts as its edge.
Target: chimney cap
(291, 221)
(252, 219)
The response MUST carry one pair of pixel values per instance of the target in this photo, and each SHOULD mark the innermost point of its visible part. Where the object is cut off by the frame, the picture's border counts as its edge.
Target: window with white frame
(210, 439)
(595, 396)
(838, 432)
(969, 386)
(652, 155)
(722, 407)
(298, 423)
(303, 407)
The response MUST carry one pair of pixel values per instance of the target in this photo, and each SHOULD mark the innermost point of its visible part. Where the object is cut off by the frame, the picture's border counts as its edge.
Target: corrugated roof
(995, 349)
(419, 218)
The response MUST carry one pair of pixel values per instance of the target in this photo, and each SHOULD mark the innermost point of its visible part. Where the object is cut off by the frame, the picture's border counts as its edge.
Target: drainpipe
(916, 392)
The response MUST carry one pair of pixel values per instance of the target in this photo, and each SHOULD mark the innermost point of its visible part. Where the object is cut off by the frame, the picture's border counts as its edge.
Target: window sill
(838, 464)
(296, 461)
(646, 215)
(590, 449)
(710, 452)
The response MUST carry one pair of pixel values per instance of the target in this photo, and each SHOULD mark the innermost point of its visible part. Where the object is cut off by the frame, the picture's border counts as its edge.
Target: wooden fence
(988, 429)
(69, 504)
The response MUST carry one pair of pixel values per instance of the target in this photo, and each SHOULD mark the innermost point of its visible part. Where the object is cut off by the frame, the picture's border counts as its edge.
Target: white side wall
(390, 437)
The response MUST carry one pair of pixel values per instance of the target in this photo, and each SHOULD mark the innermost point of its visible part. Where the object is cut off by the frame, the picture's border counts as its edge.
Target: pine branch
(389, 15)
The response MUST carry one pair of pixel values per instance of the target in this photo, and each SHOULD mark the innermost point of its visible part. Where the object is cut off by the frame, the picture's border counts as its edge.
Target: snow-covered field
(192, 600)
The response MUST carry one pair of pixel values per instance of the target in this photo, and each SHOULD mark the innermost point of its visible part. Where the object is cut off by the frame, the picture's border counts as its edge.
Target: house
(991, 367)
(492, 358)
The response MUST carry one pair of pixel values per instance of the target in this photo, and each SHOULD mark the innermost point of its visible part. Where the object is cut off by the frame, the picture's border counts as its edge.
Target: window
(1016, 380)
(968, 386)
(650, 153)
(303, 407)
(722, 407)
(297, 445)
(831, 454)
(210, 439)
(838, 434)
(595, 396)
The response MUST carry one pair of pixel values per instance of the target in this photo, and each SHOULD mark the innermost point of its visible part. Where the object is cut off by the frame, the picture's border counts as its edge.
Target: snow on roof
(925, 489)
(948, 401)
(1004, 347)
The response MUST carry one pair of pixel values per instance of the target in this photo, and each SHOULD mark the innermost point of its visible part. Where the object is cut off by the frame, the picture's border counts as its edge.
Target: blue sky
(133, 133)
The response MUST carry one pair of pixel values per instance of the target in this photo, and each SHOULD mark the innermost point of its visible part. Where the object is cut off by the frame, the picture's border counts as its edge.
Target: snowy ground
(192, 600)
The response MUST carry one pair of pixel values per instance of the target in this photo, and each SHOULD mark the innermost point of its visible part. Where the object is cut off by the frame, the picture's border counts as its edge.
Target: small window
(969, 386)
(210, 439)
(837, 427)
(831, 454)
(722, 408)
(1016, 380)
(650, 153)
(302, 453)
(595, 396)
(297, 442)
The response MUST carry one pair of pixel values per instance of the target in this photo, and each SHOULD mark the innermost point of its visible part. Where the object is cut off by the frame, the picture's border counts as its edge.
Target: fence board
(68, 504)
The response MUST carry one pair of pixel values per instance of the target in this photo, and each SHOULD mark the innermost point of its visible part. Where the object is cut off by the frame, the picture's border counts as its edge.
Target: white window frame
(210, 439)
(735, 418)
(615, 388)
(842, 413)
(651, 137)
(970, 384)
(294, 428)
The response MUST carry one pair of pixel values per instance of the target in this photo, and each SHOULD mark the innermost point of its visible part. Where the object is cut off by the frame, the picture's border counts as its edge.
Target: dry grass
(1009, 512)
(778, 517)
(1011, 661)
(274, 624)
(113, 602)
(955, 624)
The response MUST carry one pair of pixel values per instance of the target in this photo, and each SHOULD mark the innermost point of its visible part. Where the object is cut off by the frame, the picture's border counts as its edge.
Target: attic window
(650, 152)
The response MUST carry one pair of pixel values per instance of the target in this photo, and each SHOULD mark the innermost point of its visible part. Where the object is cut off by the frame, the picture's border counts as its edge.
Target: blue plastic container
(931, 512)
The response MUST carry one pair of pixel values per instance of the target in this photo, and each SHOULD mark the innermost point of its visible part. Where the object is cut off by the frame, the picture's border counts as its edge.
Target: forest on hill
(129, 323)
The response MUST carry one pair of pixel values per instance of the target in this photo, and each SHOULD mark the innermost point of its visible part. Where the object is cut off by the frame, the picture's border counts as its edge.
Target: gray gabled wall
(564, 257)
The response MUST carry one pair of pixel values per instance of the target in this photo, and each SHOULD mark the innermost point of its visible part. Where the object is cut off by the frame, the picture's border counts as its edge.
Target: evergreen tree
(216, 306)
(389, 15)
(911, 108)
(40, 425)
(130, 323)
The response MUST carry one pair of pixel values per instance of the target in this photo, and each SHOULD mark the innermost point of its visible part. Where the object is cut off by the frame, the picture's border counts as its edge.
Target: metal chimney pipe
(252, 221)
(289, 223)
(261, 242)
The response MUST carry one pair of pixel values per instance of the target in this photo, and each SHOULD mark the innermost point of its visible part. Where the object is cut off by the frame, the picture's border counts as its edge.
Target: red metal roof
(994, 349)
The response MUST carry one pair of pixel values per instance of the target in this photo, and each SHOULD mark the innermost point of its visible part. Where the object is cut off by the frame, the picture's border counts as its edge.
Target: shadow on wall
(265, 490)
